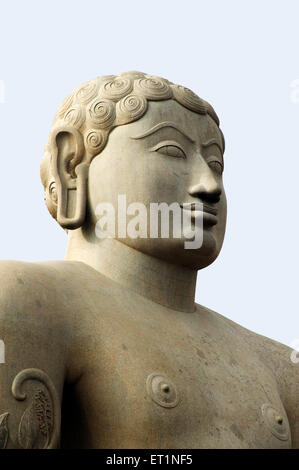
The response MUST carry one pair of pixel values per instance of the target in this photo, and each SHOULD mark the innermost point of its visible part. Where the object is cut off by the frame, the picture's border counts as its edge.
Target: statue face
(177, 157)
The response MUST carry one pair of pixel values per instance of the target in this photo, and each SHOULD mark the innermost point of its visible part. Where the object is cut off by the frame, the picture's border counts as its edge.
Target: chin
(201, 257)
(174, 251)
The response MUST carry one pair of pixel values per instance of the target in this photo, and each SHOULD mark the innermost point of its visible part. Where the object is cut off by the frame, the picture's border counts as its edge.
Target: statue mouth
(208, 213)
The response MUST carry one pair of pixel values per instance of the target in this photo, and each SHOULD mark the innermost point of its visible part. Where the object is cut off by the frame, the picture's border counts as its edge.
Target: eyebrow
(210, 142)
(160, 126)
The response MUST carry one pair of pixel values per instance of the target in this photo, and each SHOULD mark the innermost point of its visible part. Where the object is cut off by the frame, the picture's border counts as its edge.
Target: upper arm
(32, 376)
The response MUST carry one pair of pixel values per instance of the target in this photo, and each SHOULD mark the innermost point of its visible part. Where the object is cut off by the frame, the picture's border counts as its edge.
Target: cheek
(108, 177)
(223, 208)
(141, 178)
(162, 180)
(222, 213)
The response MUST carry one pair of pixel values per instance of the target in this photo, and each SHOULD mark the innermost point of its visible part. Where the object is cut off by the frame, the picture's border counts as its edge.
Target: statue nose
(207, 189)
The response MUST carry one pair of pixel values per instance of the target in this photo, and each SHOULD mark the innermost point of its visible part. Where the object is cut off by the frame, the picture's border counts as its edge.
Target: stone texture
(111, 335)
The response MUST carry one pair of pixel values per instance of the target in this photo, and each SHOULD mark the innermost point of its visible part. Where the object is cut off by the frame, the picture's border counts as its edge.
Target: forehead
(196, 126)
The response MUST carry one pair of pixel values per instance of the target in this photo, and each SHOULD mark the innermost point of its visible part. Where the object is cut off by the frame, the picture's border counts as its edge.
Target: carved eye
(171, 150)
(216, 166)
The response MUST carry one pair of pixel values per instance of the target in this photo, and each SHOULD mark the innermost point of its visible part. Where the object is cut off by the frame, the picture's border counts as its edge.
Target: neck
(162, 282)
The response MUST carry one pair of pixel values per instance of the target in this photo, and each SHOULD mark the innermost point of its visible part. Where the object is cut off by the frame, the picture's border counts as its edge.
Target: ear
(70, 174)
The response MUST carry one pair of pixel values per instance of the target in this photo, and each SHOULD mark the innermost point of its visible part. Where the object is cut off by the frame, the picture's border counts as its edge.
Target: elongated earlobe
(71, 207)
(71, 176)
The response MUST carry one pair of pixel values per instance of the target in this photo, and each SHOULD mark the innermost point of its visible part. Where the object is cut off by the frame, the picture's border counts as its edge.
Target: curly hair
(98, 106)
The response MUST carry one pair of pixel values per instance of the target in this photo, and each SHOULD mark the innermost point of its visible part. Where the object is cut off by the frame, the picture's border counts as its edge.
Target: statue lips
(208, 213)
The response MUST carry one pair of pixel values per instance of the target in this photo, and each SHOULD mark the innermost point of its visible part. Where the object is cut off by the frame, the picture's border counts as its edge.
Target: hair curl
(98, 106)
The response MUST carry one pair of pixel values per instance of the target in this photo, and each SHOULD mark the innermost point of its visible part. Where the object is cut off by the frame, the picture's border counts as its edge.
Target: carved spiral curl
(188, 99)
(130, 108)
(116, 89)
(153, 88)
(95, 141)
(87, 91)
(133, 75)
(74, 116)
(105, 78)
(211, 112)
(52, 424)
(64, 106)
(101, 113)
(94, 102)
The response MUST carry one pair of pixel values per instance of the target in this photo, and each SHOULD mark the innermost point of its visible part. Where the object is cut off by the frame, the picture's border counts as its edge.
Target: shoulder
(49, 308)
(28, 288)
(37, 305)
(273, 354)
(42, 284)
(35, 294)
(29, 295)
(277, 357)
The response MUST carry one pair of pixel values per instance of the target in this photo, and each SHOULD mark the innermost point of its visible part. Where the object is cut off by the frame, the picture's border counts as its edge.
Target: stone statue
(107, 348)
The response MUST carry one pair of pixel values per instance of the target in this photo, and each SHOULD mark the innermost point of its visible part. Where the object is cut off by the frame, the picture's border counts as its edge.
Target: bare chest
(154, 384)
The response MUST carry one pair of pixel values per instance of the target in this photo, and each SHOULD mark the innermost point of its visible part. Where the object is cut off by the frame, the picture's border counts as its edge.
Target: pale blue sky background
(242, 56)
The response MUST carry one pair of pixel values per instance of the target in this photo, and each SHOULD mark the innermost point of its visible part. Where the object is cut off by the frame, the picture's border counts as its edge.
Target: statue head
(143, 137)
